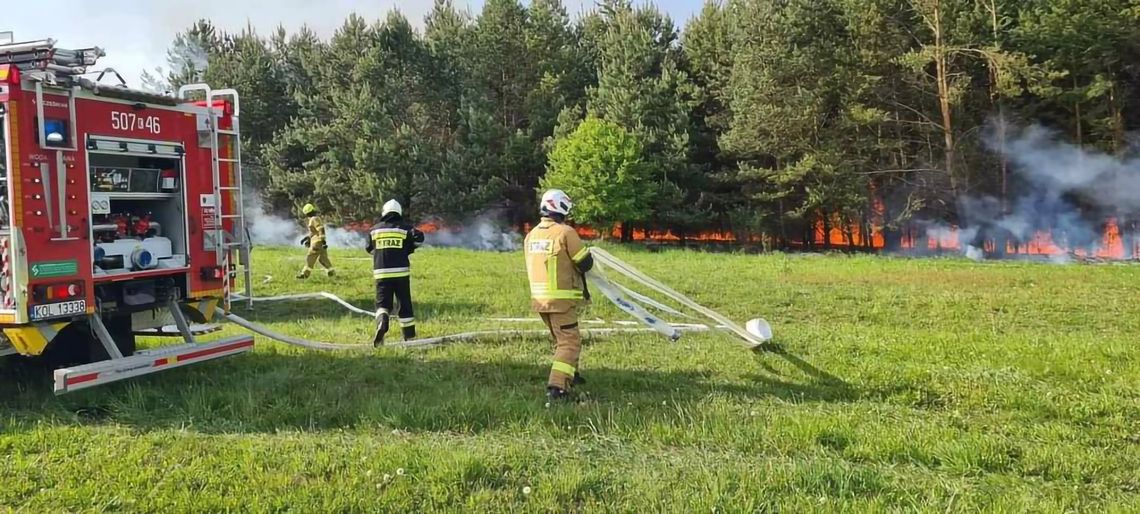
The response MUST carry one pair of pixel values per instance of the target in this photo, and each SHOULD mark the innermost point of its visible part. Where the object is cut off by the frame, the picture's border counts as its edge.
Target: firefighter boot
(554, 393)
(381, 329)
(330, 272)
(409, 332)
(304, 273)
(557, 393)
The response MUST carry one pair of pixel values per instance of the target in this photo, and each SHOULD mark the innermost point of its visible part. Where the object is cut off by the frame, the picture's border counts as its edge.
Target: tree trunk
(1003, 163)
(1077, 117)
(943, 79)
(995, 100)
(626, 232)
(783, 224)
(1001, 243)
(1080, 127)
(1126, 241)
(1117, 120)
(868, 234)
(892, 240)
(826, 230)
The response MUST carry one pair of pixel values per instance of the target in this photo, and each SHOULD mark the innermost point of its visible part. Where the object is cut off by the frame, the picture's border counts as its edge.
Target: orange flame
(1110, 246)
(840, 236)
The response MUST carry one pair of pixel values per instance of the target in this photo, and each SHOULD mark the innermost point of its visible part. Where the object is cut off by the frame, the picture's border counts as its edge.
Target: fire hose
(417, 343)
(757, 332)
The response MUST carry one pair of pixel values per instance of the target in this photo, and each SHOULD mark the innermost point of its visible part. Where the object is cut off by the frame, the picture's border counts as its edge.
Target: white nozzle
(759, 328)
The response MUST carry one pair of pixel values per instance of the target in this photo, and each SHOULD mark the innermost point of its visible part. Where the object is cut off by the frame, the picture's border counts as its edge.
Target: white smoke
(1064, 190)
(343, 238)
(267, 229)
(1057, 168)
(974, 253)
(189, 53)
(945, 235)
(1061, 258)
(484, 233)
(185, 56)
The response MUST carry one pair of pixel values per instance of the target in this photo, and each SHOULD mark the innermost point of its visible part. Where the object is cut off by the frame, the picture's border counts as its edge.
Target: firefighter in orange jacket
(556, 263)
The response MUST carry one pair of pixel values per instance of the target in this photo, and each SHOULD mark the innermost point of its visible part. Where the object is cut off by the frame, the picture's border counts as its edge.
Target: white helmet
(555, 201)
(392, 206)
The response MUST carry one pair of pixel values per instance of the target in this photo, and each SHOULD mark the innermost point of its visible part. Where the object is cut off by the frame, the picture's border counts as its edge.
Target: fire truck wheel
(71, 347)
(120, 329)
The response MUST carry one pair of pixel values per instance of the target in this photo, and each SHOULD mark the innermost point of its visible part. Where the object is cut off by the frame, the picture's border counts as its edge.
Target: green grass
(928, 385)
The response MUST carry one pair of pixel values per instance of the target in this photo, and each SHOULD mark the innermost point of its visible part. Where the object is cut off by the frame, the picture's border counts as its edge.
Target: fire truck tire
(76, 344)
(71, 347)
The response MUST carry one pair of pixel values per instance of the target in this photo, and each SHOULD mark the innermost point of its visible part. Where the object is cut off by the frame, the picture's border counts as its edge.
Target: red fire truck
(121, 214)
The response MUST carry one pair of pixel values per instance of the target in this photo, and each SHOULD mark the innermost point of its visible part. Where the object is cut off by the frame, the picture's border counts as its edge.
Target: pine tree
(643, 88)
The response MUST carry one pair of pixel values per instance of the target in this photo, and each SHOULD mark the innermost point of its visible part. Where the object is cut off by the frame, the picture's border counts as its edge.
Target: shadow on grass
(266, 392)
(819, 386)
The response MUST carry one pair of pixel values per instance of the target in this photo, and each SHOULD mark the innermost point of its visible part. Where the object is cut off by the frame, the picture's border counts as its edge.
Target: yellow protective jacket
(555, 262)
(316, 232)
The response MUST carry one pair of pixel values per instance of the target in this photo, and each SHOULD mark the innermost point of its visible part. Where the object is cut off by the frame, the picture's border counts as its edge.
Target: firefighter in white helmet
(316, 243)
(556, 263)
(391, 242)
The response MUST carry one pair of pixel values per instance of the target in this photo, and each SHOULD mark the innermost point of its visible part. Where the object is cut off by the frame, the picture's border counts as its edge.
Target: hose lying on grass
(624, 298)
(419, 343)
(304, 296)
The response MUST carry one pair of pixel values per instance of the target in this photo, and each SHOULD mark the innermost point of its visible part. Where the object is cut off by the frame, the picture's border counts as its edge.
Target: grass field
(929, 385)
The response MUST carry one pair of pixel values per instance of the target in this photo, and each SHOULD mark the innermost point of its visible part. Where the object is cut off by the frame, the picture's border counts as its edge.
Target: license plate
(56, 310)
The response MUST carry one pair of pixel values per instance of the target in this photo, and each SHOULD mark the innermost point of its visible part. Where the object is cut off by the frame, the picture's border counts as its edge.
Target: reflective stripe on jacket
(552, 252)
(390, 244)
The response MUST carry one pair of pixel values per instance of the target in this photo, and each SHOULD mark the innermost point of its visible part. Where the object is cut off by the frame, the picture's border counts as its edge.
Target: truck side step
(146, 362)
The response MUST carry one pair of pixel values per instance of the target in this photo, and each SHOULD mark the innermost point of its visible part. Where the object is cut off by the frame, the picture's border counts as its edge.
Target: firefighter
(556, 263)
(315, 241)
(391, 243)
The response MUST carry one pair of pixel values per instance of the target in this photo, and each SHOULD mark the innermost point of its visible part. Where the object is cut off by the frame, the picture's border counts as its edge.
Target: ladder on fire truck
(225, 242)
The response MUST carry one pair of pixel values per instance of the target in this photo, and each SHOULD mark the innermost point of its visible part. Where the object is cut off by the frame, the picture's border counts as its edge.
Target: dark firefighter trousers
(400, 290)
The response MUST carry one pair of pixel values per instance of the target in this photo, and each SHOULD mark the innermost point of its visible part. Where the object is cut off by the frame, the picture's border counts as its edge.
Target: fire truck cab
(120, 213)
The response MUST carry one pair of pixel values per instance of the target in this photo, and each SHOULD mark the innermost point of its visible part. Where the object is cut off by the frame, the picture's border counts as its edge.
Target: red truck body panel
(34, 213)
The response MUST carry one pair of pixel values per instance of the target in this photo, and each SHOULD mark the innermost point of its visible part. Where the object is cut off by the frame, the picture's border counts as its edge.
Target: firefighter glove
(305, 241)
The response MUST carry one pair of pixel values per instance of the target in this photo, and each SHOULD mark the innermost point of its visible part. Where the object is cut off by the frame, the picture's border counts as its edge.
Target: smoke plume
(1063, 190)
(267, 229)
(484, 233)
